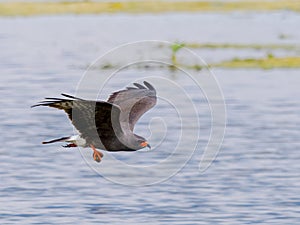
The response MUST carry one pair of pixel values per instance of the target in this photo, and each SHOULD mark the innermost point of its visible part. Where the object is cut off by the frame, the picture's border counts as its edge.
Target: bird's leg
(96, 154)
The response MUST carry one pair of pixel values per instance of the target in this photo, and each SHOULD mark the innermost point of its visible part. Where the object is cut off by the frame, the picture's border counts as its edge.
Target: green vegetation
(175, 48)
(90, 7)
(269, 62)
(264, 63)
(242, 46)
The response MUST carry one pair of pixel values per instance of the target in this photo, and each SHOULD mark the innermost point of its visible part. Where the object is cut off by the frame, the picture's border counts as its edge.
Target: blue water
(254, 179)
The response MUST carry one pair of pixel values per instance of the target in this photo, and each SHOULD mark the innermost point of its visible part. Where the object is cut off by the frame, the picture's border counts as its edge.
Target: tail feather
(59, 103)
(56, 140)
(64, 104)
(72, 97)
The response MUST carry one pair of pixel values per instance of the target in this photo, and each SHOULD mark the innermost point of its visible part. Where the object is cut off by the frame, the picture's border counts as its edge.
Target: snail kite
(106, 125)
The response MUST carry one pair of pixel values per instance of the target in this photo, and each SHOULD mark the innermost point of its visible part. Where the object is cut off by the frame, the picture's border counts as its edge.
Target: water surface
(254, 180)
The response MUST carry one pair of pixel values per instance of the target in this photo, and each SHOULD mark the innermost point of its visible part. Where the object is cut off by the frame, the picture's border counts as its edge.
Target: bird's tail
(62, 139)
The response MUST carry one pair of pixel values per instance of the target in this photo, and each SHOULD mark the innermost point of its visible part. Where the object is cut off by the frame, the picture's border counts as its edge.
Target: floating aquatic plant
(270, 62)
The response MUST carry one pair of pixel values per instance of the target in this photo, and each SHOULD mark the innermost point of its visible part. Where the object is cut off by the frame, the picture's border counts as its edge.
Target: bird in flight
(106, 125)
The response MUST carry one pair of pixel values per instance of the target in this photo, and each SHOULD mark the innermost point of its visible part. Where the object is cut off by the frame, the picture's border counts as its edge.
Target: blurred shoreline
(95, 7)
(282, 53)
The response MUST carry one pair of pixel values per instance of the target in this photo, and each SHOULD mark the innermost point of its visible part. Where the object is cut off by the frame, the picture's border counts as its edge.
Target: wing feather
(97, 121)
(139, 86)
(134, 102)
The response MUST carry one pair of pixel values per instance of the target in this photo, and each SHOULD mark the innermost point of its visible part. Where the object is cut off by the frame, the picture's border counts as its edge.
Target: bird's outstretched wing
(93, 119)
(134, 102)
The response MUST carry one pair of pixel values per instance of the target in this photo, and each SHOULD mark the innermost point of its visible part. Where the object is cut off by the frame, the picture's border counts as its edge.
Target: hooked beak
(148, 146)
